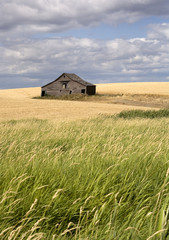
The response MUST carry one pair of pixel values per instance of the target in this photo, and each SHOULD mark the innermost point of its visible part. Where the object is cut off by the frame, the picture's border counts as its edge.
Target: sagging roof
(73, 77)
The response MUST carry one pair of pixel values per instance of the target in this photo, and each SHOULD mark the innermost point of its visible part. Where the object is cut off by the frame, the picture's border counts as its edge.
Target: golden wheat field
(157, 88)
(19, 103)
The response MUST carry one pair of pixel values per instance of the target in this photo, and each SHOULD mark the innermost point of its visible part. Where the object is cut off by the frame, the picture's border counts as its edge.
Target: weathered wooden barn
(68, 83)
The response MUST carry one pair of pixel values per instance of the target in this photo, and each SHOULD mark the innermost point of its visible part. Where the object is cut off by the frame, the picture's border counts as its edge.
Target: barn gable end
(68, 83)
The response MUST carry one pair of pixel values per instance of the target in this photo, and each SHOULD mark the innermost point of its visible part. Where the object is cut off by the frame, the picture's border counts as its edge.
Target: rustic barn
(68, 83)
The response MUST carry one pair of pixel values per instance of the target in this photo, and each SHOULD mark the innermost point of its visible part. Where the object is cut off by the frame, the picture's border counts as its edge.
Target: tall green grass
(105, 178)
(144, 114)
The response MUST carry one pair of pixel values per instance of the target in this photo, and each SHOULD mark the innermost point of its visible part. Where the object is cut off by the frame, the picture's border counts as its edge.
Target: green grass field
(104, 178)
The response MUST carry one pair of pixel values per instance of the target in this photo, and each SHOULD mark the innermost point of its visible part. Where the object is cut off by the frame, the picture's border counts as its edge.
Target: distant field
(18, 104)
(157, 88)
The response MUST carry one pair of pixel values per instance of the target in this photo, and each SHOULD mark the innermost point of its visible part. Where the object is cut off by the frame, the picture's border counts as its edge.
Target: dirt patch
(152, 101)
(143, 100)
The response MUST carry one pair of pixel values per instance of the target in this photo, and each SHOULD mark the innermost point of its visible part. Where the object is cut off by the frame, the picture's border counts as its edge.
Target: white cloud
(58, 15)
(23, 58)
(159, 31)
(128, 59)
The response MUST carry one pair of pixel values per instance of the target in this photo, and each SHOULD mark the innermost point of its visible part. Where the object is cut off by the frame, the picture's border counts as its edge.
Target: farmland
(152, 88)
(19, 103)
(77, 170)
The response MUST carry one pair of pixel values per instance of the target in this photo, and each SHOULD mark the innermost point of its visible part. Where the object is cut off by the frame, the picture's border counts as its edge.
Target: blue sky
(109, 31)
(100, 40)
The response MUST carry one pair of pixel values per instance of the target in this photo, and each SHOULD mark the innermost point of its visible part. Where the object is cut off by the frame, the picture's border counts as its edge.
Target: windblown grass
(105, 178)
(144, 114)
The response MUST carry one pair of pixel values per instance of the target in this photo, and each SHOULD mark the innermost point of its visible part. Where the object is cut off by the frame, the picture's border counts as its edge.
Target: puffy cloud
(27, 61)
(58, 15)
(159, 31)
(39, 61)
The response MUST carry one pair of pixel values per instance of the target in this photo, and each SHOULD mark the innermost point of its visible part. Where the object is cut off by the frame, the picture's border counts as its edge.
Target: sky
(102, 41)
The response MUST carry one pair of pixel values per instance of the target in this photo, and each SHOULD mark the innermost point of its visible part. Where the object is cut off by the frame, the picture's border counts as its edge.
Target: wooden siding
(91, 90)
(65, 86)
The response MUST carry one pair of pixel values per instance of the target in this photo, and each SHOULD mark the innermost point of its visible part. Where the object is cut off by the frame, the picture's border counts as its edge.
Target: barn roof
(73, 77)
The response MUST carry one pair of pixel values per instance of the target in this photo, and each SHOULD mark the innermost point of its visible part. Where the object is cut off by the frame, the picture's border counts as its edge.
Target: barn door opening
(83, 91)
(43, 93)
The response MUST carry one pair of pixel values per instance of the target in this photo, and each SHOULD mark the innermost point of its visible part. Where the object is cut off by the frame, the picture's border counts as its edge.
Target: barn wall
(65, 86)
(57, 88)
(91, 90)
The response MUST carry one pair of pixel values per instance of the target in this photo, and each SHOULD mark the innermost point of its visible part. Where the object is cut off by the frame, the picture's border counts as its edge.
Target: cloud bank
(26, 61)
(58, 15)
